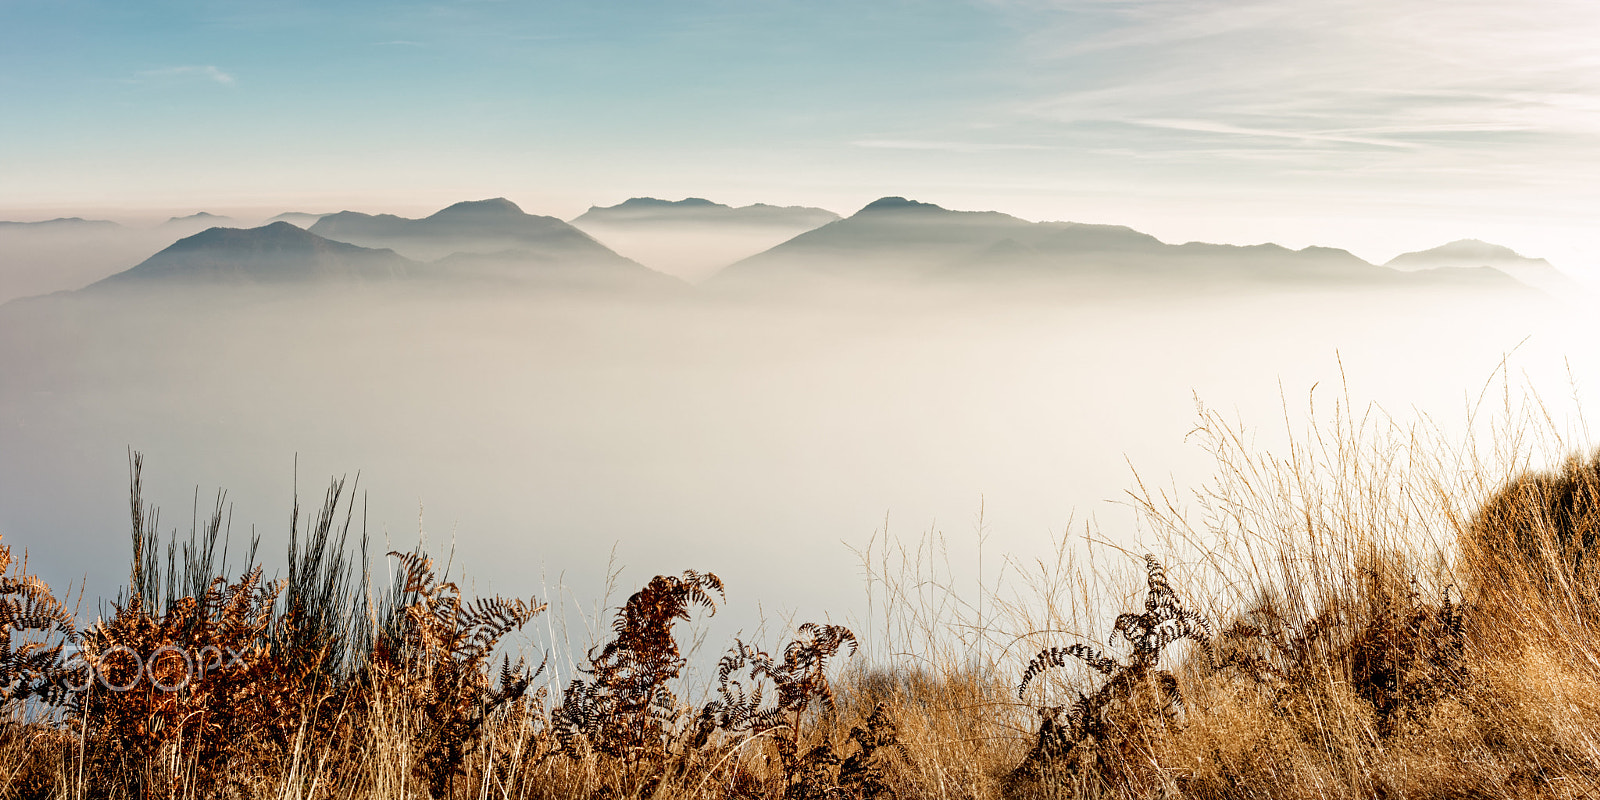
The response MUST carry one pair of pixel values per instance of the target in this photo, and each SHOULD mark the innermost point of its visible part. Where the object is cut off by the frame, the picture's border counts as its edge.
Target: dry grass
(1372, 610)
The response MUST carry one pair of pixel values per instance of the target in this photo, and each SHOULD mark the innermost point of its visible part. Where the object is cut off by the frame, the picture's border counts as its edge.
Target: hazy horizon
(1350, 124)
(1576, 262)
(43, 260)
(531, 434)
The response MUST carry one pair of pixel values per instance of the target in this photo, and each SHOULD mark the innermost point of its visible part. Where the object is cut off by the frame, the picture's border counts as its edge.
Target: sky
(1379, 126)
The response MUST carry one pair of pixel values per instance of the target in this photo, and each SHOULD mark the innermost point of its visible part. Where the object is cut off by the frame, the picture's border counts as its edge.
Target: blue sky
(1371, 124)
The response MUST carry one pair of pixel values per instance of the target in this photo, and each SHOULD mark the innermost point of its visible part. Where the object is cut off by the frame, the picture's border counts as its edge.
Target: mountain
(193, 223)
(650, 211)
(299, 219)
(1464, 253)
(279, 253)
(898, 240)
(198, 216)
(63, 224)
(482, 227)
(694, 238)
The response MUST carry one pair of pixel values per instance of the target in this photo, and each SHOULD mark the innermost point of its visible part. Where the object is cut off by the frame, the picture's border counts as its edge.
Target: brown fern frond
(35, 627)
(1134, 693)
(627, 708)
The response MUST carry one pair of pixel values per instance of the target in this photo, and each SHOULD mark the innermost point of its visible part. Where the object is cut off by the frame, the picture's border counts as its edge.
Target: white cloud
(947, 147)
(1204, 126)
(1452, 74)
(184, 74)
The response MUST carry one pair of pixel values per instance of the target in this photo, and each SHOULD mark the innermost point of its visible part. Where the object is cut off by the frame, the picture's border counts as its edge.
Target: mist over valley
(534, 401)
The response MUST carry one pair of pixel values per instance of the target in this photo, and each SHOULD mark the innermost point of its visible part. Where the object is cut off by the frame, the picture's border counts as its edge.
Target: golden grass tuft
(1370, 610)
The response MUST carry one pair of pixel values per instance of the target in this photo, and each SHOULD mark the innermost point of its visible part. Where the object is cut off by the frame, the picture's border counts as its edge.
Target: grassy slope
(1391, 615)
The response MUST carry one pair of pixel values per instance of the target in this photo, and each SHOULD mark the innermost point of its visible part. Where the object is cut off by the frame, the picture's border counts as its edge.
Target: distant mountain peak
(655, 212)
(1475, 248)
(62, 222)
(898, 204)
(488, 226)
(646, 204)
(1471, 253)
(274, 234)
(1462, 252)
(298, 218)
(282, 228)
(652, 202)
(495, 206)
(197, 216)
(276, 253)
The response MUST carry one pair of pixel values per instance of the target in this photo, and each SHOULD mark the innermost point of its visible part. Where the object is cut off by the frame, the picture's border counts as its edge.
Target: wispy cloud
(1442, 76)
(185, 74)
(948, 147)
(1205, 126)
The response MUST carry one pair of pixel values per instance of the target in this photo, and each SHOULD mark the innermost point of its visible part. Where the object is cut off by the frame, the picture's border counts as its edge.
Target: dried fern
(800, 679)
(442, 658)
(1134, 692)
(626, 708)
(36, 627)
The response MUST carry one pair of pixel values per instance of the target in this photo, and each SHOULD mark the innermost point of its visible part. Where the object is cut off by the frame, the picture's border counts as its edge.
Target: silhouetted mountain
(482, 226)
(299, 219)
(72, 224)
(278, 253)
(640, 211)
(281, 254)
(179, 227)
(194, 223)
(1467, 253)
(898, 240)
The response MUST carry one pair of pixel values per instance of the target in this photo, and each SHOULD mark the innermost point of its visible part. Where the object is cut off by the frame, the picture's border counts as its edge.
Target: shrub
(1539, 535)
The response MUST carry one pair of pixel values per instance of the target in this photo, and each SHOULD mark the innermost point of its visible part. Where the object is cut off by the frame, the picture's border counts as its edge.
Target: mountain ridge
(474, 226)
(283, 254)
(275, 253)
(890, 239)
(1471, 253)
(651, 210)
(895, 239)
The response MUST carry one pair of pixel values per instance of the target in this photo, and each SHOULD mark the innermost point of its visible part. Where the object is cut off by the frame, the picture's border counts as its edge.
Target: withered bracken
(441, 659)
(222, 687)
(1097, 733)
(36, 627)
(800, 679)
(801, 682)
(626, 708)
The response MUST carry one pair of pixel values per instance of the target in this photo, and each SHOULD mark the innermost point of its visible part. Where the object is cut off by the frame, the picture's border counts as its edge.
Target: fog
(538, 433)
(63, 254)
(689, 251)
(41, 258)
